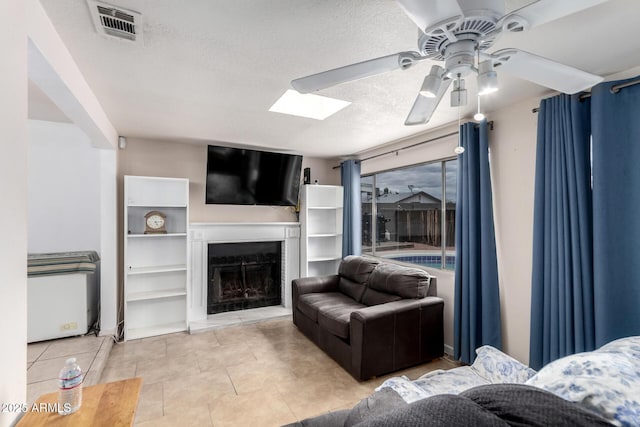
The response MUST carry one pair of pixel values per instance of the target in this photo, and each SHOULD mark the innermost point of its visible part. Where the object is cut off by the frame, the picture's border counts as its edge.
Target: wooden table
(109, 404)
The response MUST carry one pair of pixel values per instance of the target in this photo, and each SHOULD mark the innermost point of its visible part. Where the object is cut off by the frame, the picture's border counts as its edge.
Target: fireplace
(243, 275)
(202, 235)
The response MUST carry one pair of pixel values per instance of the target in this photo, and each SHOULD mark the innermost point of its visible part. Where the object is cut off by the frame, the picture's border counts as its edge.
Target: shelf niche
(321, 210)
(155, 265)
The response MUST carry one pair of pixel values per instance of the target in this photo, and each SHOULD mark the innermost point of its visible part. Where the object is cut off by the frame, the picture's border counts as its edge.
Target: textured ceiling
(210, 70)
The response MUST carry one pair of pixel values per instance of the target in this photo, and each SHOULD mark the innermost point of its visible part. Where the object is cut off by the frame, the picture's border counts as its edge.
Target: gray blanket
(497, 405)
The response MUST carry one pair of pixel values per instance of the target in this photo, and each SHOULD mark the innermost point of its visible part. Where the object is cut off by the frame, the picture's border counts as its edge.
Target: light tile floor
(46, 358)
(259, 374)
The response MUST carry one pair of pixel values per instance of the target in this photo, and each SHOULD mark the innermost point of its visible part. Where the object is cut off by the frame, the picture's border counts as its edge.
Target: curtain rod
(614, 89)
(490, 124)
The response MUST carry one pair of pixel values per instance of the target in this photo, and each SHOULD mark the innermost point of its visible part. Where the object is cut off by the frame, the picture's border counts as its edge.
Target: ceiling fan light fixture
(487, 78)
(459, 93)
(432, 82)
(461, 33)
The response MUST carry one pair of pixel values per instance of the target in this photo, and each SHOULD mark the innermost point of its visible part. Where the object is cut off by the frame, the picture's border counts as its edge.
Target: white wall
(322, 170)
(108, 243)
(513, 156)
(441, 147)
(72, 202)
(64, 189)
(13, 206)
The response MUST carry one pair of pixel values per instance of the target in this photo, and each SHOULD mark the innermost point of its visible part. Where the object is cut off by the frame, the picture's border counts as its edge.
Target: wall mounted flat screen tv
(238, 176)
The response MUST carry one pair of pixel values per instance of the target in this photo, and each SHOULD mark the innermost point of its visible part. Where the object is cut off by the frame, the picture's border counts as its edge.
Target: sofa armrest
(398, 334)
(380, 311)
(307, 285)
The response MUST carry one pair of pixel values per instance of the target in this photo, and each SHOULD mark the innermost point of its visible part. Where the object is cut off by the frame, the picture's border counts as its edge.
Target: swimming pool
(426, 260)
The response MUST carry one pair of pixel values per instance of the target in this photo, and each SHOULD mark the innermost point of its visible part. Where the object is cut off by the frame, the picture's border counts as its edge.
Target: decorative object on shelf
(155, 223)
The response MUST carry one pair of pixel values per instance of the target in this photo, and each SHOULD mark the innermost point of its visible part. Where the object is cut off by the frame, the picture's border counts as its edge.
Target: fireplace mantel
(203, 234)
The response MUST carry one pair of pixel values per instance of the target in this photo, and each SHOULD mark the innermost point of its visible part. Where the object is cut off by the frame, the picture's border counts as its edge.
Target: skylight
(307, 105)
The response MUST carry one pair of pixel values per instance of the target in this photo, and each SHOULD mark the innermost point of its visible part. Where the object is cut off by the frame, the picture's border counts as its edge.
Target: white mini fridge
(62, 304)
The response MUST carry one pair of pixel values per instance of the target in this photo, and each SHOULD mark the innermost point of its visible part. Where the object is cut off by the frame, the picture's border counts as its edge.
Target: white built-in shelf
(155, 264)
(324, 208)
(321, 226)
(325, 235)
(156, 235)
(154, 206)
(323, 258)
(156, 269)
(161, 329)
(145, 296)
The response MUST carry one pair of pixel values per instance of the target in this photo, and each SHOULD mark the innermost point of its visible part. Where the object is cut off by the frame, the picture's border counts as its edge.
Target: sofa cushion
(373, 297)
(354, 272)
(335, 319)
(395, 279)
(352, 289)
(309, 304)
(357, 268)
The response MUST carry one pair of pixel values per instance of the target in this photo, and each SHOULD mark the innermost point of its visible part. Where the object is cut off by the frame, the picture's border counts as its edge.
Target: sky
(425, 177)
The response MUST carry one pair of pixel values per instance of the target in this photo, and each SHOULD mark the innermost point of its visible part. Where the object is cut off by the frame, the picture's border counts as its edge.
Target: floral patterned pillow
(606, 382)
(499, 368)
(629, 346)
(405, 388)
(453, 381)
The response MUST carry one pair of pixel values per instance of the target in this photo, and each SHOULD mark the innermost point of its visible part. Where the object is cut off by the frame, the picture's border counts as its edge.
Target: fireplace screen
(243, 275)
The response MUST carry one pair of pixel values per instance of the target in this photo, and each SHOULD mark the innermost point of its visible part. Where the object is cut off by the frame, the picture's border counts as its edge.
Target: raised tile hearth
(238, 318)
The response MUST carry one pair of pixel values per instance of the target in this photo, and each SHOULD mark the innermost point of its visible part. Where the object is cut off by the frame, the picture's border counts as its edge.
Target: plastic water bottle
(70, 387)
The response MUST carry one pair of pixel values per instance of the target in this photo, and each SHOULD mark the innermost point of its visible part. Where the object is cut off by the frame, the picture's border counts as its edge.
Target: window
(409, 214)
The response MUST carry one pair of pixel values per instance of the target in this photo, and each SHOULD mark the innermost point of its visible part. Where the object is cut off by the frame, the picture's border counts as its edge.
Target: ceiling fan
(460, 33)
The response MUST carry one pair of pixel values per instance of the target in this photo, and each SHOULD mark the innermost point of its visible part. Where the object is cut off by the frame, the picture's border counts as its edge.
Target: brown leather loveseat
(372, 317)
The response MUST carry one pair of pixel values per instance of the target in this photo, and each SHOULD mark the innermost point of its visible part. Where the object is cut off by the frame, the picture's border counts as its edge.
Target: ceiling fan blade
(543, 11)
(543, 71)
(357, 71)
(428, 13)
(424, 107)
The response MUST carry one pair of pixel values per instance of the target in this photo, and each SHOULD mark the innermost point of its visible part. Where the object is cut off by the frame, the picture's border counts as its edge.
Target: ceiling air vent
(114, 21)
